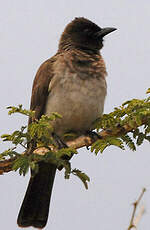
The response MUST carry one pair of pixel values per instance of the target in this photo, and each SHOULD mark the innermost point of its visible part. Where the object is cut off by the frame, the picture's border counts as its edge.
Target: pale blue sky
(29, 34)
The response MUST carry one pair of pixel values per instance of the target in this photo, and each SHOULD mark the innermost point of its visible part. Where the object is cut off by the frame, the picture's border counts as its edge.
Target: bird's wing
(35, 206)
(40, 88)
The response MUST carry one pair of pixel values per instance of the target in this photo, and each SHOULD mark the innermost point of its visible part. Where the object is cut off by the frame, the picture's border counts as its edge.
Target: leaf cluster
(39, 131)
(128, 125)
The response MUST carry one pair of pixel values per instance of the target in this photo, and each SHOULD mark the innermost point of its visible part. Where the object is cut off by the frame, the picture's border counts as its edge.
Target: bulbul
(71, 83)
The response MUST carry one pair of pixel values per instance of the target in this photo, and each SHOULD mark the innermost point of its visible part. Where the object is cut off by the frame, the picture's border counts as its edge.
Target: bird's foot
(93, 135)
(60, 144)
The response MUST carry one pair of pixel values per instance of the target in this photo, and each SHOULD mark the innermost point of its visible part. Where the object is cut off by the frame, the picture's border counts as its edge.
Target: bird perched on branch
(71, 83)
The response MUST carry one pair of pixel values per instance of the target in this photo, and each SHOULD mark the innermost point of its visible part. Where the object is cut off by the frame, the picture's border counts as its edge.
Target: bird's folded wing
(40, 88)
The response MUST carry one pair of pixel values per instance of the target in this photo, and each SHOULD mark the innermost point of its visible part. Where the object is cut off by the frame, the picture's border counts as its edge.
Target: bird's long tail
(35, 207)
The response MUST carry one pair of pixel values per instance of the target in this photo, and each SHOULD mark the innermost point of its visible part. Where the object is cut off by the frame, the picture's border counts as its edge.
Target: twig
(133, 224)
(140, 214)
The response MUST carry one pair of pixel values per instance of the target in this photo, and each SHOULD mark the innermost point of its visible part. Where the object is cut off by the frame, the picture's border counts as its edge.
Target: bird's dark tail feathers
(35, 207)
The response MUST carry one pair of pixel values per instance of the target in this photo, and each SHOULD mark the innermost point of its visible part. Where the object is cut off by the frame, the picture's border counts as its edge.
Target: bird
(73, 84)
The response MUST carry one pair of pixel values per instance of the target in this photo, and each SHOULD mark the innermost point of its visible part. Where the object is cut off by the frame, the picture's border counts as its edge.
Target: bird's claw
(60, 144)
(93, 135)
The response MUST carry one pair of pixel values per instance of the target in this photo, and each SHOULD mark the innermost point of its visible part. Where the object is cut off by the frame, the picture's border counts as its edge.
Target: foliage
(39, 131)
(128, 125)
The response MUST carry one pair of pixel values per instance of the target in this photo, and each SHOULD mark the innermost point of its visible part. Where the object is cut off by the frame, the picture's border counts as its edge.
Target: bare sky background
(29, 34)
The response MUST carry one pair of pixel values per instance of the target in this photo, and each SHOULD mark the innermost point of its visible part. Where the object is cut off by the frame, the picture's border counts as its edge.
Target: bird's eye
(87, 31)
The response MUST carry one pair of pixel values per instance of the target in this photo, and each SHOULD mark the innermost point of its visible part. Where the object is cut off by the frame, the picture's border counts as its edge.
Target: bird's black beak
(105, 31)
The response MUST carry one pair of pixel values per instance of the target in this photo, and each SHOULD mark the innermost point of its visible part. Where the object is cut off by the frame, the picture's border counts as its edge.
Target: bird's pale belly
(80, 102)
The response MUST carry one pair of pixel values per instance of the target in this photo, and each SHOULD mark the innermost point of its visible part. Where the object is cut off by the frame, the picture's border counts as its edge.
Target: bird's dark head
(83, 34)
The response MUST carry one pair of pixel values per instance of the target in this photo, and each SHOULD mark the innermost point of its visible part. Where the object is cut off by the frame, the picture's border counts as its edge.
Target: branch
(6, 165)
(134, 221)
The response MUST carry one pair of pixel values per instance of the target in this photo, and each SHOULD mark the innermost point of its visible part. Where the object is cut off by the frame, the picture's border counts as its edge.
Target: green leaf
(100, 145)
(19, 109)
(140, 138)
(116, 142)
(138, 119)
(67, 166)
(82, 176)
(147, 128)
(136, 133)
(147, 138)
(128, 141)
(8, 153)
(69, 152)
(21, 164)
